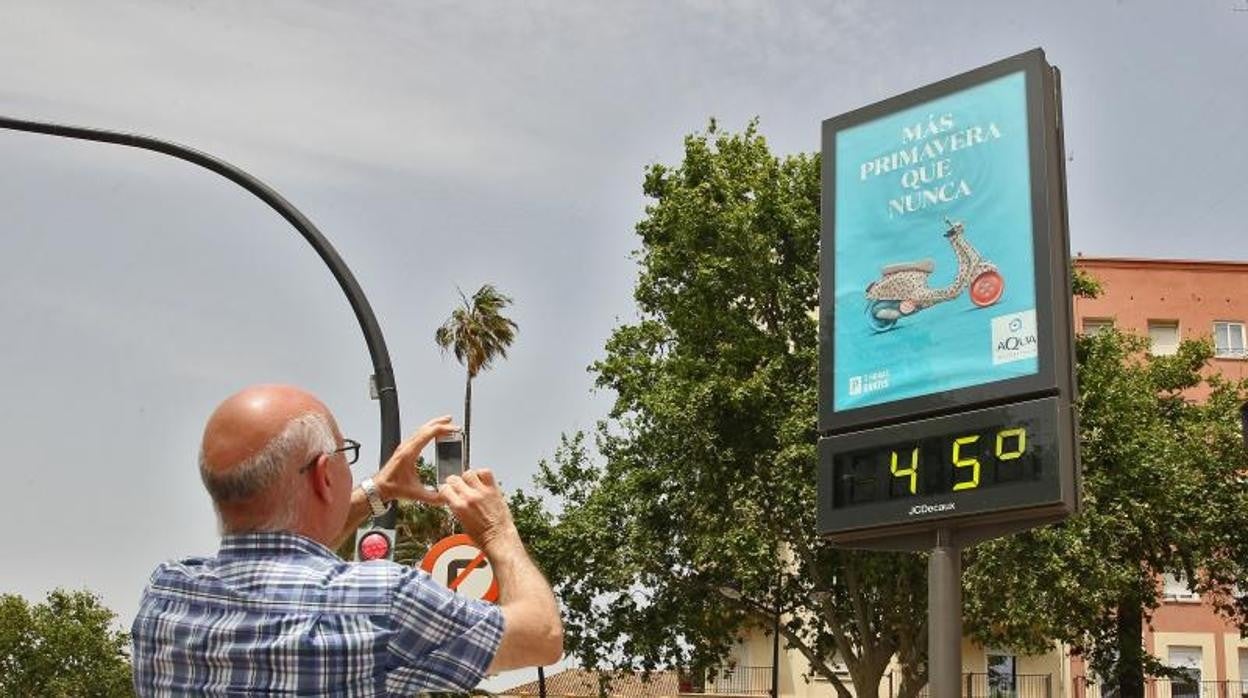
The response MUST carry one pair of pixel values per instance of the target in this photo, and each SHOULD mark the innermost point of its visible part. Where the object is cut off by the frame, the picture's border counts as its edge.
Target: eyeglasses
(350, 451)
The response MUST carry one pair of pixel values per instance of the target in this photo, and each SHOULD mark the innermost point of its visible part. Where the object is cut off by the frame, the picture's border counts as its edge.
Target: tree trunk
(868, 671)
(911, 687)
(467, 417)
(1129, 670)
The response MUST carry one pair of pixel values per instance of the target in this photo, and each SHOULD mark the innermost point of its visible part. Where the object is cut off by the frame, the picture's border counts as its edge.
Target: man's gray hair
(304, 438)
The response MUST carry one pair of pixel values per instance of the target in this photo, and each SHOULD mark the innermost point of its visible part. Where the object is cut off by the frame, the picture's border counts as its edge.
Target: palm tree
(477, 333)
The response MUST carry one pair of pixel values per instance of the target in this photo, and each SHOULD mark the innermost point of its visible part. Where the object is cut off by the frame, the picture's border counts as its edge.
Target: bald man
(277, 612)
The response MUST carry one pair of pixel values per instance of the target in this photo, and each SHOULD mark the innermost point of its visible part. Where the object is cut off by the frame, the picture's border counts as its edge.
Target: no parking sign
(458, 564)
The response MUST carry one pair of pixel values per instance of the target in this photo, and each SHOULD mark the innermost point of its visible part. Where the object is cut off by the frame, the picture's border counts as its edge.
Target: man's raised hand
(476, 500)
(399, 478)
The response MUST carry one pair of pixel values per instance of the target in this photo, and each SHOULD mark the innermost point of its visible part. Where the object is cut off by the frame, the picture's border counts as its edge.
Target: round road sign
(457, 563)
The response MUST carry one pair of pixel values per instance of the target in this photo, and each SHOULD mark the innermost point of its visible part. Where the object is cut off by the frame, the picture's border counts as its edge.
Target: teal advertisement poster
(934, 286)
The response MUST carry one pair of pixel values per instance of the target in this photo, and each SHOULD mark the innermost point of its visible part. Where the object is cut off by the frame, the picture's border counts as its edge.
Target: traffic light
(374, 544)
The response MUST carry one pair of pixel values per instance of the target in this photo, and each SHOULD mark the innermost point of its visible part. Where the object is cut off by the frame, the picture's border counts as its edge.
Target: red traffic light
(374, 545)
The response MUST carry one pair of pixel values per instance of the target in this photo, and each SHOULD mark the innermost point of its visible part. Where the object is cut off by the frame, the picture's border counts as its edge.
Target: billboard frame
(1049, 242)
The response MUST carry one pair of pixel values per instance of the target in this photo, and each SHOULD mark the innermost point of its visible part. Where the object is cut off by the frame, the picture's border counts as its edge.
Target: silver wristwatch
(374, 497)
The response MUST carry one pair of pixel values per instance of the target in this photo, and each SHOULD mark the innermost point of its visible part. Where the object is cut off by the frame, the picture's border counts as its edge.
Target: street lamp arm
(383, 373)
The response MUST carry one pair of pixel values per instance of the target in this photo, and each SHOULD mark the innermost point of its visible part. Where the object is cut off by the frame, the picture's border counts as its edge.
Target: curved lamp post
(383, 386)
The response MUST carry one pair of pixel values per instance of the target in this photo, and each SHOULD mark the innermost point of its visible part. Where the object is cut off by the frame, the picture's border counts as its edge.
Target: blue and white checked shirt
(280, 614)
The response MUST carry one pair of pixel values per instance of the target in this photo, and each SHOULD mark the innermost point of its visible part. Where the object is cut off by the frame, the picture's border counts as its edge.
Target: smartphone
(449, 455)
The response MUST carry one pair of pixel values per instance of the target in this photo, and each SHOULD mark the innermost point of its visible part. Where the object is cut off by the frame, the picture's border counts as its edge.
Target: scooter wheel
(987, 288)
(883, 315)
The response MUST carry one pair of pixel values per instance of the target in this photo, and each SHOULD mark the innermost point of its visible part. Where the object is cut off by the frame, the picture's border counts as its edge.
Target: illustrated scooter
(902, 288)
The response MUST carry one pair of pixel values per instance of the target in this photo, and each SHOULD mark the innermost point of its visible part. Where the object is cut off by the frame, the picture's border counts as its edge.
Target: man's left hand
(399, 478)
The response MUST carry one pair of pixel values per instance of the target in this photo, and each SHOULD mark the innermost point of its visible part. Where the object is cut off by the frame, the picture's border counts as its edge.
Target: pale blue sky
(445, 143)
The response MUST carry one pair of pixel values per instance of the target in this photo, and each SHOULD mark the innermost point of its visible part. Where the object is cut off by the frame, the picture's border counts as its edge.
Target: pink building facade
(1168, 301)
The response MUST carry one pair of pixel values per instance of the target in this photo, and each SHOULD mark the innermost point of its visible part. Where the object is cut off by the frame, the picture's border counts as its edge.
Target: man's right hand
(532, 629)
(476, 500)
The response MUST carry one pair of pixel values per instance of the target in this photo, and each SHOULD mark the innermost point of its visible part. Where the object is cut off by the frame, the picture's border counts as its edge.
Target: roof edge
(1149, 263)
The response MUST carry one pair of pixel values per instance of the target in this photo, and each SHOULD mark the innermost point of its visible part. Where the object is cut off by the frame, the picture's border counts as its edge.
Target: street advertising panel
(946, 375)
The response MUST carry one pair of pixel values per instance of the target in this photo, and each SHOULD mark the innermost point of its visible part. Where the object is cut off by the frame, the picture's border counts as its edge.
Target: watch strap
(374, 497)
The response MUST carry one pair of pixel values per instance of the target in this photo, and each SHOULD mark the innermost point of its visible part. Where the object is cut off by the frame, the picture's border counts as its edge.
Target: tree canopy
(690, 518)
(694, 520)
(64, 646)
(1164, 491)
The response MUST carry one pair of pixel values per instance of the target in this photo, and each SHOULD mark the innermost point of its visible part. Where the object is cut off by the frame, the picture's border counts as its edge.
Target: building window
(1175, 588)
(837, 664)
(1228, 340)
(1163, 337)
(1096, 325)
(1187, 661)
(1002, 675)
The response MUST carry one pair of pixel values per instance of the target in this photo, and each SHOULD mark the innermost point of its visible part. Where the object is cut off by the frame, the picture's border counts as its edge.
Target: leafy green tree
(477, 333)
(65, 646)
(1164, 490)
(696, 523)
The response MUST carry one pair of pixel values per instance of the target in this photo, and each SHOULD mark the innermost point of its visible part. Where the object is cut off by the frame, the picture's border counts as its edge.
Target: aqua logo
(1014, 337)
(1016, 343)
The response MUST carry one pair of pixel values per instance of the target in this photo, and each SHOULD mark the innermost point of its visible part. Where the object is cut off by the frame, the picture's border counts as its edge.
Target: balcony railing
(1166, 688)
(999, 686)
(730, 681)
(756, 681)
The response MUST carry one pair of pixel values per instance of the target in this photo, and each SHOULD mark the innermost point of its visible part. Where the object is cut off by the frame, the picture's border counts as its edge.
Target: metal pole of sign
(775, 654)
(944, 611)
(384, 389)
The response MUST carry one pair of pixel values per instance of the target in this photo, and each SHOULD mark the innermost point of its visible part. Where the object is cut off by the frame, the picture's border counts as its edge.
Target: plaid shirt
(277, 613)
